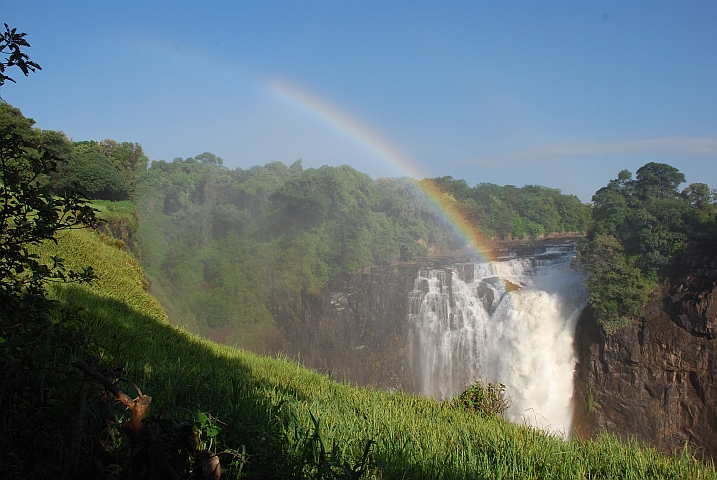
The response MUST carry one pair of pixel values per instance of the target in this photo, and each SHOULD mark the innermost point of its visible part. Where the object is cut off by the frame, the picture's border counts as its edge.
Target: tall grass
(279, 419)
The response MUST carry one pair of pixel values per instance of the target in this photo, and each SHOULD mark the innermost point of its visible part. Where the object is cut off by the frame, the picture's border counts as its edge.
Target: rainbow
(346, 124)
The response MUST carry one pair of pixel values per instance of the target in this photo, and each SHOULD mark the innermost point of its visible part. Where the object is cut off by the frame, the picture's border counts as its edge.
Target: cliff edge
(656, 380)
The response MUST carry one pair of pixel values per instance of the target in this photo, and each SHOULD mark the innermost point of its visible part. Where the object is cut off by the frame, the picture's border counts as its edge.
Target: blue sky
(561, 94)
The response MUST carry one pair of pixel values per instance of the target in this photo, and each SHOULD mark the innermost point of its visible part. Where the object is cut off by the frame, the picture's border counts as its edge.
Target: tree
(639, 227)
(12, 41)
(96, 176)
(618, 289)
(658, 180)
(209, 159)
(30, 214)
(38, 336)
(698, 194)
(106, 170)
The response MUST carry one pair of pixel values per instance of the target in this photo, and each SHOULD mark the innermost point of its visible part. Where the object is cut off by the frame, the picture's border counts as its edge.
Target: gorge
(365, 280)
(432, 327)
(435, 329)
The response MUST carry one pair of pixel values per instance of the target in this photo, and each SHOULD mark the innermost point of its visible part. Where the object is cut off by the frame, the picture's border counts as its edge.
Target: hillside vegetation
(260, 417)
(269, 417)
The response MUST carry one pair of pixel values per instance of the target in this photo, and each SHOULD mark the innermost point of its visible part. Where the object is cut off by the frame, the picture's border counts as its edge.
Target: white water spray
(511, 322)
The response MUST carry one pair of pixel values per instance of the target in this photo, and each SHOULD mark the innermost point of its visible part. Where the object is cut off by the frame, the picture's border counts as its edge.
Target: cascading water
(510, 321)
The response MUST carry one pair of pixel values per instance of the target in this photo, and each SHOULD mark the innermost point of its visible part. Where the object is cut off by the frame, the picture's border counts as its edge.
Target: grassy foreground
(271, 418)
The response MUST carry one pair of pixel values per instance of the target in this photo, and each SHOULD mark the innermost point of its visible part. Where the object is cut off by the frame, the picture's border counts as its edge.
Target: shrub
(487, 399)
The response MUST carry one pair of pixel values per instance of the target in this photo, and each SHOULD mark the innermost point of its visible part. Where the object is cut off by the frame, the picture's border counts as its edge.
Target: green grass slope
(272, 418)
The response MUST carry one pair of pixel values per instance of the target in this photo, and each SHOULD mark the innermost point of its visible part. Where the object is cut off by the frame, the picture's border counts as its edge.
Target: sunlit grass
(268, 403)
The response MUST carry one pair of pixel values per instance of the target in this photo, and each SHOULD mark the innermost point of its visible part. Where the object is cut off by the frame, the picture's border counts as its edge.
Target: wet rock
(487, 296)
(355, 329)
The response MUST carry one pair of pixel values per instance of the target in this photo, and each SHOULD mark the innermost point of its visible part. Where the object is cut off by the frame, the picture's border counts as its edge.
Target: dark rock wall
(122, 229)
(656, 380)
(355, 330)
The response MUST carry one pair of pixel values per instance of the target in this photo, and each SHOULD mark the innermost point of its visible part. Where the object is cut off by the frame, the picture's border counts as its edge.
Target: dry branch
(139, 406)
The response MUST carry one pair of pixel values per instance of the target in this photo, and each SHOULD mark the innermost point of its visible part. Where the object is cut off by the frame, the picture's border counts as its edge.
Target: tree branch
(139, 406)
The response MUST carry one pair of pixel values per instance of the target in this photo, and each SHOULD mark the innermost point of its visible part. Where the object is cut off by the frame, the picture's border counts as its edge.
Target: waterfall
(510, 321)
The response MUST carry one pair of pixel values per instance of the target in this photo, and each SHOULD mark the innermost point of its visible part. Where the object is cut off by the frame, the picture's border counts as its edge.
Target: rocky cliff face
(657, 380)
(121, 229)
(355, 329)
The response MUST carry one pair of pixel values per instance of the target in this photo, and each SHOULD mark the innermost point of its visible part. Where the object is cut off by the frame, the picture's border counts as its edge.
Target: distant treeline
(512, 212)
(219, 244)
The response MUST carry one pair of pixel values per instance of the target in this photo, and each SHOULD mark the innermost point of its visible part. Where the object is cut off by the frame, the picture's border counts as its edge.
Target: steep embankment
(267, 406)
(656, 380)
(120, 220)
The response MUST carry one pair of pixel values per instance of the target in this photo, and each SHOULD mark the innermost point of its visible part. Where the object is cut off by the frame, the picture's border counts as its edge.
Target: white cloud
(702, 147)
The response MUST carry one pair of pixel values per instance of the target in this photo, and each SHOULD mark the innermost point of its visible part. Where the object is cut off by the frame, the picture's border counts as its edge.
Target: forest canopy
(105, 170)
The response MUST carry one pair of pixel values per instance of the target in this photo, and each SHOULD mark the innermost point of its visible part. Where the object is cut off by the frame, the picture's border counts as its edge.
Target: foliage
(618, 289)
(94, 175)
(260, 417)
(505, 212)
(104, 170)
(638, 228)
(37, 335)
(30, 214)
(38, 391)
(485, 399)
(118, 222)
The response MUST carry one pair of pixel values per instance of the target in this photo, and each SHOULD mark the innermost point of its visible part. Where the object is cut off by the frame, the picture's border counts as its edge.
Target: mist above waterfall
(510, 321)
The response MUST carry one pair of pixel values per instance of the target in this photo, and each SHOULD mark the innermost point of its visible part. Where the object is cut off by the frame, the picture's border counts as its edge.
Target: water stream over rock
(510, 321)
